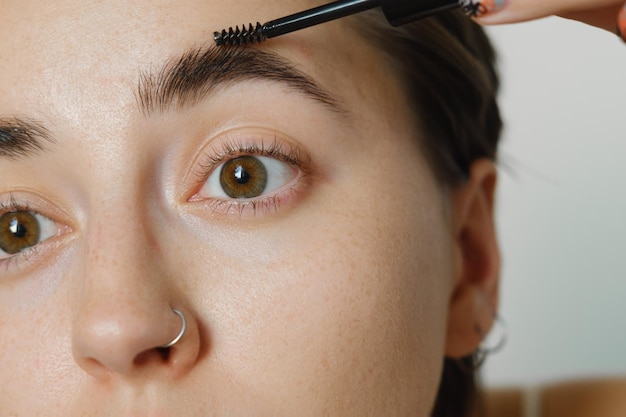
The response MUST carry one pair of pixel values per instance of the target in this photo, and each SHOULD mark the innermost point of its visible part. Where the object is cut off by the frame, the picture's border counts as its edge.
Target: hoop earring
(492, 341)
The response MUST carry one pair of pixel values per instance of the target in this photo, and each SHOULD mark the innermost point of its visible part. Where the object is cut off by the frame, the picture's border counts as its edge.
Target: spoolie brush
(243, 36)
(397, 13)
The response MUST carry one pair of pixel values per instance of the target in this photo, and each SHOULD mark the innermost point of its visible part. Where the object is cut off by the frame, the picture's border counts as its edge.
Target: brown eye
(248, 177)
(243, 177)
(19, 230)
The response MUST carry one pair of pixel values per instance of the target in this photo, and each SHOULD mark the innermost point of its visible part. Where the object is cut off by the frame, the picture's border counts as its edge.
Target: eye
(248, 177)
(23, 229)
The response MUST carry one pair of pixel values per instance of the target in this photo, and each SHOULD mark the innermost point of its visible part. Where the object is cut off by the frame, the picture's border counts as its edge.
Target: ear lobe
(474, 297)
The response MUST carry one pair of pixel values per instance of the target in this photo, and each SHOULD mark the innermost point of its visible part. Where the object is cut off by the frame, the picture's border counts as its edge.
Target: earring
(492, 341)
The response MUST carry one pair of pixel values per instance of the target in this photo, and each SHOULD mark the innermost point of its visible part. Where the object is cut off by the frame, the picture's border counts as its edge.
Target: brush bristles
(253, 34)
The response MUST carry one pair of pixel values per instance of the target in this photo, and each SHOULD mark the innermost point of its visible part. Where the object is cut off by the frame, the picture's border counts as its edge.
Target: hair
(447, 66)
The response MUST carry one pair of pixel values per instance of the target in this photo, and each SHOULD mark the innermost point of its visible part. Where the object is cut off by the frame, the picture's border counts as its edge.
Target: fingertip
(621, 23)
(480, 10)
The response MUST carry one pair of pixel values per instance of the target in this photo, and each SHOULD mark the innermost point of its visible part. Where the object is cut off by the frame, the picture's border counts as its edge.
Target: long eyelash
(235, 147)
(13, 205)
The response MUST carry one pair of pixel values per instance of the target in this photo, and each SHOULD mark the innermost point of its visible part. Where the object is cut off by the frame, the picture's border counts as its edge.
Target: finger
(621, 23)
(598, 12)
(604, 17)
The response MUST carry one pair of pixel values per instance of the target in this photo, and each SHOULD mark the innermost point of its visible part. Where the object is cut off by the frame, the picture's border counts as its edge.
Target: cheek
(38, 371)
(37, 367)
(380, 298)
(352, 305)
(364, 326)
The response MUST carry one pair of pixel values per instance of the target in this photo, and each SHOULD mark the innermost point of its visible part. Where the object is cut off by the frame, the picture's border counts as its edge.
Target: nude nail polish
(480, 8)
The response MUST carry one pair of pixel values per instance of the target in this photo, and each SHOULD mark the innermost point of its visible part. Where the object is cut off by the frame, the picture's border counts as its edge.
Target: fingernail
(621, 23)
(480, 8)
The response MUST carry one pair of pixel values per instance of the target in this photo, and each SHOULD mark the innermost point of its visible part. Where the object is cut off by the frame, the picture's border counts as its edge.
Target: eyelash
(234, 147)
(14, 262)
(228, 149)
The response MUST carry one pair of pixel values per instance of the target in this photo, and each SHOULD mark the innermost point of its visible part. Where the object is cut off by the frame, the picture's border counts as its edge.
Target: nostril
(128, 342)
(156, 355)
(164, 352)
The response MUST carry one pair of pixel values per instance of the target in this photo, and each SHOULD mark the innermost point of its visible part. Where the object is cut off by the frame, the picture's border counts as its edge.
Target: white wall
(562, 203)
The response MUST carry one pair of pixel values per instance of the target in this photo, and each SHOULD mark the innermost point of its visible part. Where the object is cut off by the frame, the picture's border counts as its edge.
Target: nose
(130, 317)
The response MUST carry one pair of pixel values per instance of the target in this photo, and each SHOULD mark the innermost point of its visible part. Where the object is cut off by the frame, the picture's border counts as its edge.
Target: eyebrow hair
(20, 138)
(187, 80)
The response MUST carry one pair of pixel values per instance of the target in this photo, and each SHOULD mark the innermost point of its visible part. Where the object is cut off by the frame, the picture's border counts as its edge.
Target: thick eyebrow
(20, 138)
(187, 80)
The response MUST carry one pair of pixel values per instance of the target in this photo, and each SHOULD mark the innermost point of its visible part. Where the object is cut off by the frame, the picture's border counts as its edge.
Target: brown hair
(447, 65)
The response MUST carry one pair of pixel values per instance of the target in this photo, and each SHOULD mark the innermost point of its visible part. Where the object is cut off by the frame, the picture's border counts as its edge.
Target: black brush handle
(399, 12)
(317, 15)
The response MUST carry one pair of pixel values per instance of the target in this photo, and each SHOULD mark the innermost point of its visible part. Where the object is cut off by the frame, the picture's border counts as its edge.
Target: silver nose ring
(180, 334)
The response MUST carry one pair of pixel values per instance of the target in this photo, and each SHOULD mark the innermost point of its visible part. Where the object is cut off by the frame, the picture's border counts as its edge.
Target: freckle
(325, 363)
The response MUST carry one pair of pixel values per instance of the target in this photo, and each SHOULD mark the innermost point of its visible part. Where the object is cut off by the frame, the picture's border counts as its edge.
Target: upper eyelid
(232, 149)
(230, 146)
(26, 200)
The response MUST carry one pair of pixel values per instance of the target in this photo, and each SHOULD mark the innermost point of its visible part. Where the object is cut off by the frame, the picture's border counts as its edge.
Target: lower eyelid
(257, 207)
(29, 258)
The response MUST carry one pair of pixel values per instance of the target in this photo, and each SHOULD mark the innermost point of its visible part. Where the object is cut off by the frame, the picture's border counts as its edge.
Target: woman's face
(314, 273)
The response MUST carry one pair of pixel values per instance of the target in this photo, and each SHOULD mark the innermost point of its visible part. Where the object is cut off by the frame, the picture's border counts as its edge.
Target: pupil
(241, 175)
(17, 228)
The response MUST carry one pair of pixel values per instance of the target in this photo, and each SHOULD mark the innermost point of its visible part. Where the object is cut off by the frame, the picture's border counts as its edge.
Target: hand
(600, 13)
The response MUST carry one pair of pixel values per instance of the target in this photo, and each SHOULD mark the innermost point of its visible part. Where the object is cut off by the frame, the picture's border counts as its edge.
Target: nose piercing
(180, 334)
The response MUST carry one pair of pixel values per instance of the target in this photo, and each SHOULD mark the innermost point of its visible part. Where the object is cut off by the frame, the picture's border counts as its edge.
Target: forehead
(76, 53)
(91, 35)
(119, 15)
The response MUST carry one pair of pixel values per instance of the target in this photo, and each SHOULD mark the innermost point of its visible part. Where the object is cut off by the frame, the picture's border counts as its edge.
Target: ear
(474, 296)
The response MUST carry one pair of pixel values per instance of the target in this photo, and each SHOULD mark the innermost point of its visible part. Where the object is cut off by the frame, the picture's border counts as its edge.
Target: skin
(342, 301)
(600, 13)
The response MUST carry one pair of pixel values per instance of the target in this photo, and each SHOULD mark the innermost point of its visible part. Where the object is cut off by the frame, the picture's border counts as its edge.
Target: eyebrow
(20, 138)
(187, 80)
(180, 83)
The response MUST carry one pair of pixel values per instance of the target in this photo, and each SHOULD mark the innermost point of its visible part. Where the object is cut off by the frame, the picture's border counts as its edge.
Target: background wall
(562, 203)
